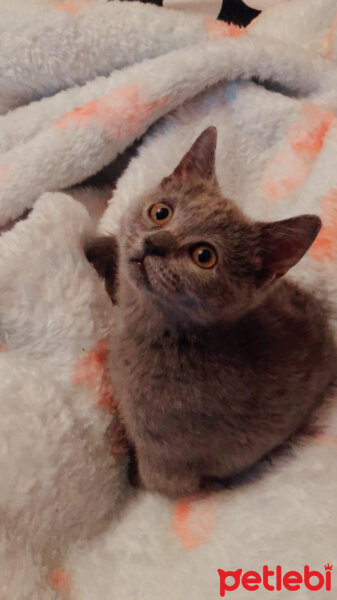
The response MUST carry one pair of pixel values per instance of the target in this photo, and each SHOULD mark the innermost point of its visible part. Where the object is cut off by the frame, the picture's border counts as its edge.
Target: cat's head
(195, 254)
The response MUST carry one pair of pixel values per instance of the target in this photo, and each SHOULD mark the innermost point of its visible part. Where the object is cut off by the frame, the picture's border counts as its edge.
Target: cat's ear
(199, 162)
(102, 253)
(282, 244)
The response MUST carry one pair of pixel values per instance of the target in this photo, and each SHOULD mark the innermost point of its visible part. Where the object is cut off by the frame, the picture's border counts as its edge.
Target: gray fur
(212, 368)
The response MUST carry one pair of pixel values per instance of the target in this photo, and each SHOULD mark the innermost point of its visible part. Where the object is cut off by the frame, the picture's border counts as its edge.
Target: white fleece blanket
(79, 82)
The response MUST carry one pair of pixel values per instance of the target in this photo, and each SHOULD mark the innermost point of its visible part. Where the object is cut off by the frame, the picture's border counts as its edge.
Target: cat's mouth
(146, 274)
(139, 272)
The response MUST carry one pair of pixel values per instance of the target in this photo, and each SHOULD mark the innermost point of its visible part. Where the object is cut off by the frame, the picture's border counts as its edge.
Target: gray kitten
(215, 359)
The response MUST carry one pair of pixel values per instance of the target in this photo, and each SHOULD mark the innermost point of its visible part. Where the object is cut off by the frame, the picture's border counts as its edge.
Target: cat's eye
(160, 213)
(204, 256)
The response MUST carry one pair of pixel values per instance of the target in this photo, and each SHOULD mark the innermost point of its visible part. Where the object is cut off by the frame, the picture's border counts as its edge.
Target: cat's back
(291, 348)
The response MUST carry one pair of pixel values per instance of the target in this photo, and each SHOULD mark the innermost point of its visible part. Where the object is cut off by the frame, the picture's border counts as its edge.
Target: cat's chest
(166, 370)
(152, 363)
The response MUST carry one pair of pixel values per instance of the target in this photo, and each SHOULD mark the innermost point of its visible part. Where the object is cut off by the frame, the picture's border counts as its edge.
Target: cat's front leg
(172, 479)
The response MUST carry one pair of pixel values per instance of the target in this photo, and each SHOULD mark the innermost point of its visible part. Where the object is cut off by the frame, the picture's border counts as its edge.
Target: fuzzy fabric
(80, 82)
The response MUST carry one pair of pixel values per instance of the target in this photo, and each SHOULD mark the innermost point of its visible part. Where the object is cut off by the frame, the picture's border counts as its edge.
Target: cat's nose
(159, 244)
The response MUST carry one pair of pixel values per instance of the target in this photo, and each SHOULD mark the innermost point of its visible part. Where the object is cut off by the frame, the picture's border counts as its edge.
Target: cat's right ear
(102, 253)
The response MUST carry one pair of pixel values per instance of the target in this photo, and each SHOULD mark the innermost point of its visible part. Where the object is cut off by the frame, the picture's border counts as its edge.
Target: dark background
(233, 11)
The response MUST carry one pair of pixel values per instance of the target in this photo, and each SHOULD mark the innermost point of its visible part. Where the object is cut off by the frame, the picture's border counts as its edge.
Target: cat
(216, 359)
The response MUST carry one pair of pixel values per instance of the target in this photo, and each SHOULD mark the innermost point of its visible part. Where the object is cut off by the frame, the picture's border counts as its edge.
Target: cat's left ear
(199, 162)
(102, 253)
(282, 244)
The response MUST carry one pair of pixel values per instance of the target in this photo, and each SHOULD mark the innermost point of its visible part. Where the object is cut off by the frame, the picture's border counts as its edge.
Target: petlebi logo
(275, 580)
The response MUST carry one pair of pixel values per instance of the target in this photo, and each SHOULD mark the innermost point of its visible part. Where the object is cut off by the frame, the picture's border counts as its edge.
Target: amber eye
(161, 213)
(204, 256)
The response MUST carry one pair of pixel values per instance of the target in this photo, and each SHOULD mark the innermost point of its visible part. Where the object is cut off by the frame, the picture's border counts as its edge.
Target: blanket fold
(59, 153)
